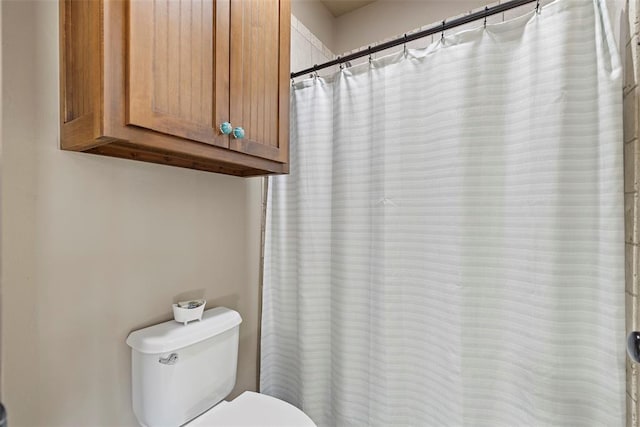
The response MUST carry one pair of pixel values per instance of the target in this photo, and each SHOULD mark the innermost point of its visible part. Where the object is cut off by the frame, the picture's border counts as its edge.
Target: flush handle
(171, 359)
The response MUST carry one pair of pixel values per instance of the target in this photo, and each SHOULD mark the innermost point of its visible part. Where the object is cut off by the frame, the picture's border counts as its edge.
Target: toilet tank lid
(170, 336)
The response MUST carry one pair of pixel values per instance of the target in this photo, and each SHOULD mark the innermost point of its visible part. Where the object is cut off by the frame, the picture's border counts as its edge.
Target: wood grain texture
(126, 150)
(167, 60)
(259, 30)
(221, 62)
(284, 70)
(170, 43)
(80, 71)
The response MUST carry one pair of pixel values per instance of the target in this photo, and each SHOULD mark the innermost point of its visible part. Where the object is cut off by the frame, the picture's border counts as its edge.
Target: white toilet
(180, 374)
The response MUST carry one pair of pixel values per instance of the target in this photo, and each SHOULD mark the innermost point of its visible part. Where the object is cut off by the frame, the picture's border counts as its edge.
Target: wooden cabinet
(153, 80)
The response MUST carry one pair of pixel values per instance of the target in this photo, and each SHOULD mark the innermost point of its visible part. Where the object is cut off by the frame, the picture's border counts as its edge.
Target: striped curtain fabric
(448, 248)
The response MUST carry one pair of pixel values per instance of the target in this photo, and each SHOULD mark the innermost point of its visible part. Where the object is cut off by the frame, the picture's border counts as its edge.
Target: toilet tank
(179, 371)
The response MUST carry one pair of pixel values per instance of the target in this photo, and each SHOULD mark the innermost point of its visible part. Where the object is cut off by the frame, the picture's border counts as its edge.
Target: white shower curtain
(448, 248)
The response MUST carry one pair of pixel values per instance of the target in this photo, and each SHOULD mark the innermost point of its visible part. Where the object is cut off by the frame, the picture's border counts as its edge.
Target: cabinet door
(259, 92)
(178, 67)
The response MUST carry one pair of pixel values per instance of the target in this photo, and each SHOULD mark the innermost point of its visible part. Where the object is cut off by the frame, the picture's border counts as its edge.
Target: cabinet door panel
(259, 91)
(179, 68)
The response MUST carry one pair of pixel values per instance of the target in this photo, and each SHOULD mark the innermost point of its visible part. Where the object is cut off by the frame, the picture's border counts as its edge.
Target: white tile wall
(307, 49)
(631, 119)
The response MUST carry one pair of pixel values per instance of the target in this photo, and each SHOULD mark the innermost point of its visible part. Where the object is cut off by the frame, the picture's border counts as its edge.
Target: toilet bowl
(182, 373)
(253, 409)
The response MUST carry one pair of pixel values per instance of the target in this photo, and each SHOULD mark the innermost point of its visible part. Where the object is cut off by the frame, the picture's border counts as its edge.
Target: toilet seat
(253, 410)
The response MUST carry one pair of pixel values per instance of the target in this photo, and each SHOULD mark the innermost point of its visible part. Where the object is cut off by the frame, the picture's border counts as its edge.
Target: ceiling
(340, 7)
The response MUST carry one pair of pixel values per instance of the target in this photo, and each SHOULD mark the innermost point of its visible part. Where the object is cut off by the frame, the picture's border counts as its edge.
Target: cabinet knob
(226, 128)
(238, 133)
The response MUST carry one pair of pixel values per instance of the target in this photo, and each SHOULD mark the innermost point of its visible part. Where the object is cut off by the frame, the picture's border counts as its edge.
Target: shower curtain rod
(488, 11)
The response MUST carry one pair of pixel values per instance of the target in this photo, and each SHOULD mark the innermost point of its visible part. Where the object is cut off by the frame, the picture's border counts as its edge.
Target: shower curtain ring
(486, 9)
(442, 35)
(370, 57)
(404, 46)
(315, 71)
(341, 63)
(538, 7)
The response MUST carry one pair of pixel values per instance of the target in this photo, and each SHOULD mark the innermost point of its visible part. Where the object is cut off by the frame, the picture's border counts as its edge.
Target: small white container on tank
(188, 311)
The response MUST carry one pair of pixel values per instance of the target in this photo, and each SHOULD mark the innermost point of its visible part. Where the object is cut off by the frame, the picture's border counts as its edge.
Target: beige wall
(365, 26)
(317, 18)
(387, 18)
(94, 247)
(384, 19)
(375, 22)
